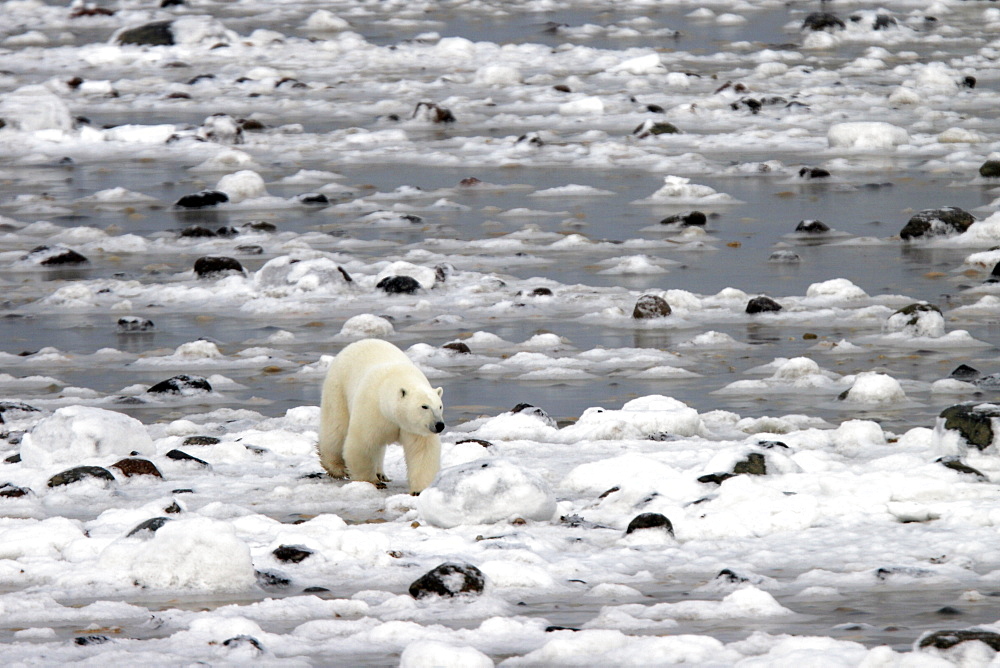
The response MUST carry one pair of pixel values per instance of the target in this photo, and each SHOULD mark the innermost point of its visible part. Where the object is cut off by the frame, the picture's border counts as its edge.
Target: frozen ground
(514, 160)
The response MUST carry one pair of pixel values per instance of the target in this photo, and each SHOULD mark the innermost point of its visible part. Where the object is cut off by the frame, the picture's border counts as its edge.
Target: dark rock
(291, 553)
(198, 232)
(990, 169)
(79, 473)
(731, 577)
(812, 227)
(130, 324)
(181, 384)
(315, 590)
(949, 611)
(10, 491)
(754, 464)
(458, 347)
(181, 456)
(201, 440)
(688, 219)
(969, 81)
(15, 407)
(540, 292)
(173, 509)
(151, 526)
(240, 641)
(272, 580)
(134, 466)
(650, 521)
(652, 128)
(973, 421)
(648, 307)
(654, 109)
(260, 226)
(914, 310)
(553, 629)
(157, 33)
(883, 22)
(200, 200)
(91, 640)
(13, 459)
(532, 138)
(534, 411)
(966, 373)
(251, 125)
(433, 113)
(478, 441)
(823, 21)
(937, 222)
(398, 285)
(562, 88)
(813, 173)
(313, 199)
(751, 103)
(250, 249)
(212, 265)
(762, 304)
(995, 274)
(716, 478)
(449, 579)
(948, 639)
(54, 256)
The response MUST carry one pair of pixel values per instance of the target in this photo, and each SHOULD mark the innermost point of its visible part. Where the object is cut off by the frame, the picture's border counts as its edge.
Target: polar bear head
(419, 410)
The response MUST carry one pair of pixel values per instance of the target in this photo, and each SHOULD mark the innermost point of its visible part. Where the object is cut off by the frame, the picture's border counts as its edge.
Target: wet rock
(16, 407)
(458, 347)
(990, 169)
(762, 304)
(250, 249)
(54, 256)
(13, 459)
(79, 473)
(813, 173)
(211, 266)
(652, 128)
(883, 22)
(201, 440)
(784, 257)
(687, 219)
(433, 113)
(244, 642)
(181, 456)
(966, 373)
(650, 521)
(948, 639)
(937, 222)
(823, 21)
(449, 579)
(181, 384)
(150, 526)
(648, 307)
(291, 553)
(730, 576)
(197, 232)
(812, 227)
(754, 464)
(537, 292)
(130, 324)
(272, 580)
(11, 491)
(995, 274)
(771, 445)
(398, 285)
(91, 640)
(974, 421)
(259, 226)
(202, 199)
(135, 466)
(716, 478)
(157, 33)
(478, 441)
(536, 412)
(173, 509)
(313, 199)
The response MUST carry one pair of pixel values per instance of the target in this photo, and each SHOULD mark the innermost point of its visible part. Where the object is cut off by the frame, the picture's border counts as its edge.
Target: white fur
(374, 395)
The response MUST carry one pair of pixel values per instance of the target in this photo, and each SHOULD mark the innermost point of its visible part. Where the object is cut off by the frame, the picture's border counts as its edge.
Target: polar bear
(374, 395)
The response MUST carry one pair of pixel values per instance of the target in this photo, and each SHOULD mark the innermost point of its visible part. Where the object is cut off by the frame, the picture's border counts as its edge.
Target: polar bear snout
(437, 427)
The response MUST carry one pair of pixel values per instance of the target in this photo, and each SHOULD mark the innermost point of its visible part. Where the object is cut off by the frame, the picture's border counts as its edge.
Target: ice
(79, 434)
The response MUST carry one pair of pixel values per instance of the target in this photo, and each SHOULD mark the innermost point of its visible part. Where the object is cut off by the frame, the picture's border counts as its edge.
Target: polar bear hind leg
(333, 427)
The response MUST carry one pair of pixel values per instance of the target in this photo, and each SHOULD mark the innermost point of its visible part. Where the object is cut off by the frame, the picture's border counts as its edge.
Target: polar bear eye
(425, 407)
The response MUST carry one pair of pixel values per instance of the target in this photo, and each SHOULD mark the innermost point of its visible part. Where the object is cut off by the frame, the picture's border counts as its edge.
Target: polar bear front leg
(423, 460)
(363, 457)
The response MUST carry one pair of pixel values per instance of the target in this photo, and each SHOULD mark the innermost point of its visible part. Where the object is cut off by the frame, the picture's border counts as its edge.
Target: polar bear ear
(402, 392)
(440, 391)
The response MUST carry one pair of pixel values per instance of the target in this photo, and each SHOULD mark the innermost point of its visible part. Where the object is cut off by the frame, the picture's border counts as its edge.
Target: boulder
(650, 521)
(823, 21)
(210, 266)
(937, 222)
(79, 473)
(762, 304)
(157, 33)
(648, 307)
(990, 169)
(974, 421)
(449, 579)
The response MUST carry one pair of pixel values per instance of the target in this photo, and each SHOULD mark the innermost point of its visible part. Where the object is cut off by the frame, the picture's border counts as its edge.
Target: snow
(818, 504)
